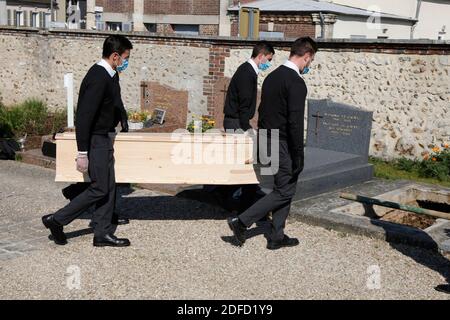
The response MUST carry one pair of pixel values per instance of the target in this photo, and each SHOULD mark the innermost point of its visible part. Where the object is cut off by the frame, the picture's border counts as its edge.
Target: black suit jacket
(120, 114)
(283, 108)
(240, 102)
(96, 106)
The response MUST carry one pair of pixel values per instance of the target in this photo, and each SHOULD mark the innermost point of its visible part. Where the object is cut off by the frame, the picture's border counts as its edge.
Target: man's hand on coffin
(297, 166)
(124, 124)
(124, 121)
(82, 163)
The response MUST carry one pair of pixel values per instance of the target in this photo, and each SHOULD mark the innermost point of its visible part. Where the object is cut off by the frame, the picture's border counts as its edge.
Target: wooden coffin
(165, 158)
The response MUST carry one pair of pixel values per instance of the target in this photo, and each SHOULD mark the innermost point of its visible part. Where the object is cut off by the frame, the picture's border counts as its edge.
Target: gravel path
(181, 250)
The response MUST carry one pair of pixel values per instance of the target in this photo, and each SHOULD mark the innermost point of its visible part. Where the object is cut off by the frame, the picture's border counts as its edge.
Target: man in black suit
(240, 102)
(72, 191)
(240, 107)
(94, 119)
(281, 112)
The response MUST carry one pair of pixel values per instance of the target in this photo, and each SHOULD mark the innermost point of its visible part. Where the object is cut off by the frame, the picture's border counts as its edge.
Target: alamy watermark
(73, 277)
(374, 279)
(229, 148)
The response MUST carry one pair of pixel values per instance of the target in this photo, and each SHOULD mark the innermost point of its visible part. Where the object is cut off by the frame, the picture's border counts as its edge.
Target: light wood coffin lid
(146, 158)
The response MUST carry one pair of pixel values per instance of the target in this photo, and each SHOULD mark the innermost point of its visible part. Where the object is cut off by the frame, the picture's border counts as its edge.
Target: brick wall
(291, 26)
(164, 28)
(204, 29)
(184, 7)
(115, 6)
(217, 56)
(209, 30)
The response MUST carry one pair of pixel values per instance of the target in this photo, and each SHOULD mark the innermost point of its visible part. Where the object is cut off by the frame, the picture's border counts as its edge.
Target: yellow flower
(446, 146)
(434, 159)
(436, 149)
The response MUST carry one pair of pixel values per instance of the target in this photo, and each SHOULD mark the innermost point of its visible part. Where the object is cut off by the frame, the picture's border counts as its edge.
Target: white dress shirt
(255, 67)
(292, 66)
(108, 67)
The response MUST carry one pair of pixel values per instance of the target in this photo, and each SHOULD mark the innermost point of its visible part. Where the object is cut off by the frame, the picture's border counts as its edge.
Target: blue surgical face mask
(306, 70)
(265, 66)
(123, 66)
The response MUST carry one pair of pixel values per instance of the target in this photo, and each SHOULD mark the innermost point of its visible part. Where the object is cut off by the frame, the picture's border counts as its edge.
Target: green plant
(206, 123)
(5, 125)
(437, 164)
(30, 117)
(406, 164)
(135, 116)
(26, 118)
(387, 170)
(56, 121)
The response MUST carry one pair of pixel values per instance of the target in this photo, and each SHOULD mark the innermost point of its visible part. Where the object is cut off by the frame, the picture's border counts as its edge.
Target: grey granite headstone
(336, 149)
(338, 127)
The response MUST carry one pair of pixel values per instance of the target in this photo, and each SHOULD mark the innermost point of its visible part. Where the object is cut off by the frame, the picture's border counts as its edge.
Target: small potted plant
(206, 123)
(136, 120)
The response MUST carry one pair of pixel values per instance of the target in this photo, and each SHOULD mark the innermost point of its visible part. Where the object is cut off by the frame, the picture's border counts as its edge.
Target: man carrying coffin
(281, 112)
(94, 119)
(240, 108)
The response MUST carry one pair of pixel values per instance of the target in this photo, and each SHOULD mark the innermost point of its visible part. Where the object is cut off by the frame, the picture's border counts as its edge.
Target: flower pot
(135, 125)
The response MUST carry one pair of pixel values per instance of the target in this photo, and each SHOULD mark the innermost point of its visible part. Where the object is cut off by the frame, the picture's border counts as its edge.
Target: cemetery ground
(181, 250)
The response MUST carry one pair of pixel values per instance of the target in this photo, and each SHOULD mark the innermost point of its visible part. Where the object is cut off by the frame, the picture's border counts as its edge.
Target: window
(10, 18)
(187, 29)
(114, 26)
(127, 27)
(99, 23)
(271, 35)
(35, 19)
(151, 27)
(358, 37)
(47, 20)
(19, 21)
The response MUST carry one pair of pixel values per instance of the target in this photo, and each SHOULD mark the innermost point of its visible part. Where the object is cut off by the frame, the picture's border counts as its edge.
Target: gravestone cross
(318, 117)
(143, 86)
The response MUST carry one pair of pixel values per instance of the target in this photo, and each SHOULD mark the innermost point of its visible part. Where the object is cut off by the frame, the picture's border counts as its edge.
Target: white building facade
(433, 18)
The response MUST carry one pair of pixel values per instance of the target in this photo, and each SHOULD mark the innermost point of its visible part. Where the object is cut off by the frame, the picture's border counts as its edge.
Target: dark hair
(116, 43)
(263, 47)
(302, 46)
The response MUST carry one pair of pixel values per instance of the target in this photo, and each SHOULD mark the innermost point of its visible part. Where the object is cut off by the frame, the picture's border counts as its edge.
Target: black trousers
(279, 200)
(248, 191)
(101, 191)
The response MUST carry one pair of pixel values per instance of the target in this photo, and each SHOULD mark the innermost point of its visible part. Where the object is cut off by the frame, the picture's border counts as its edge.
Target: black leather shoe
(238, 229)
(55, 228)
(445, 288)
(286, 242)
(110, 240)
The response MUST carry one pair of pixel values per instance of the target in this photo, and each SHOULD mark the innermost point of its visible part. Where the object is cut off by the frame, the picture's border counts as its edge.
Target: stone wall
(409, 94)
(38, 62)
(406, 84)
